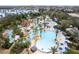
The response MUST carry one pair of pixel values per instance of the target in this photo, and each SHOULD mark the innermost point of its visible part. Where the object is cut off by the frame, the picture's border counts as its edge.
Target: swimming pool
(10, 36)
(48, 40)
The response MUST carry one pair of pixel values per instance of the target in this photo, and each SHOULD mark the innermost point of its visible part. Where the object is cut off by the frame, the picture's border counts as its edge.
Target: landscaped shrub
(66, 24)
(6, 44)
(20, 45)
(71, 51)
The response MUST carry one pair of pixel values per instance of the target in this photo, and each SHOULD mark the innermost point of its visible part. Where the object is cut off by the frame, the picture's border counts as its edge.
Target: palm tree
(53, 50)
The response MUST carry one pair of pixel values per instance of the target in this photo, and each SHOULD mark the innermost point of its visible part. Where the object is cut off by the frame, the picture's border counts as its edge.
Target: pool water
(47, 41)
